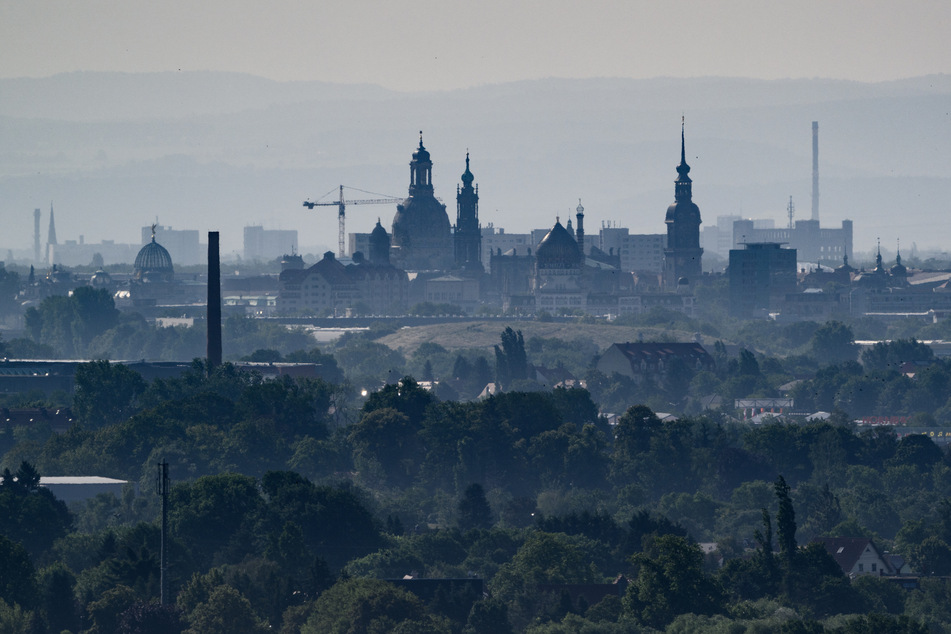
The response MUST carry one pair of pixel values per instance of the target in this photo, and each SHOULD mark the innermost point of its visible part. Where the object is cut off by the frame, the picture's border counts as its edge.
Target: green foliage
(17, 583)
(225, 612)
(32, 516)
(9, 288)
(430, 309)
(511, 360)
(670, 581)
(70, 323)
(545, 558)
(474, 510)
(150, 618)
(56, 586)
(106, 393)
(833, 342)
(213, 514)
(367, 363)
(106, 611)
(890, 355)
(371, 605)
(15, 620)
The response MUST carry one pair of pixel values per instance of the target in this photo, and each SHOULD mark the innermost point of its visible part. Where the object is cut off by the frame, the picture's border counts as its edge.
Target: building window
(861, 567)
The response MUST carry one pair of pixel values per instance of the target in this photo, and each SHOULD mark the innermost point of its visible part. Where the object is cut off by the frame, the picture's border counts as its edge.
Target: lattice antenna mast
(791, 210)
(162, 487)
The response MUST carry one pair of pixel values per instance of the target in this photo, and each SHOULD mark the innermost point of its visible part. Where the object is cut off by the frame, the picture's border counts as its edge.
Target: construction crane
(341, 205)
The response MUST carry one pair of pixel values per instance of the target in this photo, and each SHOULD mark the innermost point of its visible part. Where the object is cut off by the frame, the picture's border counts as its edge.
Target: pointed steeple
(682, 186)
(467, 238)
(51, 236)
(467, 176)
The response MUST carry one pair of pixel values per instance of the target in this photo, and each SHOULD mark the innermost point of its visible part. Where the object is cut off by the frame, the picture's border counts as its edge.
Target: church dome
(422, 233)
(421, 155)
(153, 263)
(379, 245)
(899, 269)
(558, 249)
(100, 279)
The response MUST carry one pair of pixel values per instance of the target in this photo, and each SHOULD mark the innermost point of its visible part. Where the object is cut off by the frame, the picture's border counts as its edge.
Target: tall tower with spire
(422, 233)
(682, 264)
(51, 237)
(467, 237)
(579, 231)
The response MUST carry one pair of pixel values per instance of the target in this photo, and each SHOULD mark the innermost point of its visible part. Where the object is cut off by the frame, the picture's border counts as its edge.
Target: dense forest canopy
(293, 498)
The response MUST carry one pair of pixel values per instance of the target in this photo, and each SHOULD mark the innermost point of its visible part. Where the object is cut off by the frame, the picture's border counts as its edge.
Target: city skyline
(155, 108)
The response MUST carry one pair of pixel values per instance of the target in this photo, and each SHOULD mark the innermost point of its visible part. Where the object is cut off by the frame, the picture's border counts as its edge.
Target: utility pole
(162, 482)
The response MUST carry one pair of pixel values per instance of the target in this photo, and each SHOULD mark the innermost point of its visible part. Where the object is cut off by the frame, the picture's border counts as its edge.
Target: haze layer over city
(161, 116)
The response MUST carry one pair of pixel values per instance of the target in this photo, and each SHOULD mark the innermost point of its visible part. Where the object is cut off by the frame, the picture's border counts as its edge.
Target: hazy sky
(443, 44)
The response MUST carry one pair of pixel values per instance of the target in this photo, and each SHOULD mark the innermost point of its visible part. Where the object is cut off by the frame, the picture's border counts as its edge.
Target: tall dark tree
(511, 360)
(785, 521)
(17, 579)
(474, 510)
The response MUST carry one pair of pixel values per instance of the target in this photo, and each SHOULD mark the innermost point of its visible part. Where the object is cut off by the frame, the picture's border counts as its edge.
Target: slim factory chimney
(815, 170)
(214, 302)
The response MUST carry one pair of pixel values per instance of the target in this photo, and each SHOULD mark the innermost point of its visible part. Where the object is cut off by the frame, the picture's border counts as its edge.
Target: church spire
(682, 187)
(51, 236)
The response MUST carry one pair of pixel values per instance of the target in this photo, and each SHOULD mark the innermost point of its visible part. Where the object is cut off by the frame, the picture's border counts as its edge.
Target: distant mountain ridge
(221, 150)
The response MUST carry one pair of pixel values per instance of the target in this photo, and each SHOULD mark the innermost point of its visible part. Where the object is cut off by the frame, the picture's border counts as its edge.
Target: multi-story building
(639, 253)
(496, 242)
(761, 275)
(268, 244)
(182, 244)
(813, 243)
(718, 239)
(369, 286)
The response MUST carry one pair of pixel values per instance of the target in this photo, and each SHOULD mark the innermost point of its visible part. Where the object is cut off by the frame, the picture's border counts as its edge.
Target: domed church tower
(682, 255)
(422, 234)
(153, 263)
(379, 245)
(468, 235)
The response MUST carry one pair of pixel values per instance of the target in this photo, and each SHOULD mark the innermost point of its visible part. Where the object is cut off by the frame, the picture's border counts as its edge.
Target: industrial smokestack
(36, 236)
(815, 170)
(214, 302)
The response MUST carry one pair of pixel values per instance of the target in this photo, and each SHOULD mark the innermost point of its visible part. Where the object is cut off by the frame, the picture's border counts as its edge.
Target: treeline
(284, 511)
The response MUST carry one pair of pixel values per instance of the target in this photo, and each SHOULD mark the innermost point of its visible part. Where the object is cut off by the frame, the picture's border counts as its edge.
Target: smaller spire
(683, 169)
(467, 176)
(683, 146)
(420, 139)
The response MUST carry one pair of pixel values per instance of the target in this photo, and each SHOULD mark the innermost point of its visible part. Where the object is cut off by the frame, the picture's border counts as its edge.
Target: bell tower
(467, 237)
(682, 264)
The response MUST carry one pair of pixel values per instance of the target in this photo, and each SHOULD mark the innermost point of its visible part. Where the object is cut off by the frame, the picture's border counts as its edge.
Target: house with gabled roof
(857, 556)
(639, 359)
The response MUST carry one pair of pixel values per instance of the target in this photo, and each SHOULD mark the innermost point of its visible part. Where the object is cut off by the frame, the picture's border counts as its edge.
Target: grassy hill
(485, 334)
